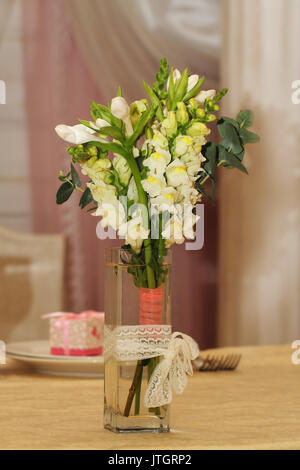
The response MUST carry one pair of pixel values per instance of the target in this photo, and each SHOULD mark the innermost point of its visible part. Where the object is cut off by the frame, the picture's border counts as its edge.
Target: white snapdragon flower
(189, 194)
(172, 232)
(204, 94)
(78, 134)
(166, 201)
(176, 77)
(189, 222)
(103, 193)
(132, 192)
(121, 166)
(153, 185)
(193, 163)
(192, 81)
(159, 141)
(182, 144)
(158, 161)
(121, 109)
(97, 169)
(99, 123)
(134, 231)
(113, 215)
(176, 173)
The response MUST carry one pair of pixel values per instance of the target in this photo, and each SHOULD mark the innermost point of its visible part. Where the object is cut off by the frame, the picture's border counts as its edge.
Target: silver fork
(213, 363)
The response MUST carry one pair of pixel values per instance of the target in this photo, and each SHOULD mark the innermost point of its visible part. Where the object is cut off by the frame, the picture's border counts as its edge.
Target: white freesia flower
(176, 173)
(176, 77)
(121, 109)
(113, 215)
(153, 185)
(157, 162)
(78, 134)
(134, 231)
(167, 200)
(182, 144)
(172, 232)
(203, 95)
(192, 81)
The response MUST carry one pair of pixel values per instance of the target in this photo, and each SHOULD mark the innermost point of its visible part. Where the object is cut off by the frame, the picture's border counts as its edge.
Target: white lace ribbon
(131, 343)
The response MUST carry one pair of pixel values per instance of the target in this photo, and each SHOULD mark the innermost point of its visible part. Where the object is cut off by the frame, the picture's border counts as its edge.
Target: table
(255, 407)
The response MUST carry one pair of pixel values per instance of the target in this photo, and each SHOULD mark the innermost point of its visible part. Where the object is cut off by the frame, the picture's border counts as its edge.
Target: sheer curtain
(123, 41)
(259, 298)
(76, 51)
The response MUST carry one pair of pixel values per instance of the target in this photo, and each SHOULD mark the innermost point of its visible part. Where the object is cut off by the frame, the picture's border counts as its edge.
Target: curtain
(259, 214)
(69, 60)
(123, 41)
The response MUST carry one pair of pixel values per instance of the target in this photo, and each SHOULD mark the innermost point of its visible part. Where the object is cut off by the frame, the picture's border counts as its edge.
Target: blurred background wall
(57, 55)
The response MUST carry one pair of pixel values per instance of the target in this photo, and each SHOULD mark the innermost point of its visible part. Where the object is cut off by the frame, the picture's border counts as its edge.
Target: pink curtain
(59, 89)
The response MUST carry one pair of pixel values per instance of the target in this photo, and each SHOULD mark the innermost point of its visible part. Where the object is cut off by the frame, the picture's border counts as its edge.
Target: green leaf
(248, 137)
(194, 91)
(119, 91)
(75, 177)
(154, 101)
(111, 147)
(181, 86)
(64, 192)
(86, 198)
(112, 131)
(171, 91)
(101, 111)
(210, 153)
(245, 118)
(229, 159)
(142, 122)
(230, 136)
(220, 95)
(201, 190)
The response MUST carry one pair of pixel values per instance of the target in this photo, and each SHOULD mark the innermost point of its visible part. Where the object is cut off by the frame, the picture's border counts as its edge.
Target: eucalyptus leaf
(230, 136)
(86, 198)
(209, 151)
(64, 192)
(245, 118)
(230, 159)
(75, 177)
(248, 137)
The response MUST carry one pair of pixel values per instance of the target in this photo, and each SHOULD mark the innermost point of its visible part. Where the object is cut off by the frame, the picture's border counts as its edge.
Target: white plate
(37, 354)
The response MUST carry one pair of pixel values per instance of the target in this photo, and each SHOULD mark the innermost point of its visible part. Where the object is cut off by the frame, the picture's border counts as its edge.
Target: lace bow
(170, 373)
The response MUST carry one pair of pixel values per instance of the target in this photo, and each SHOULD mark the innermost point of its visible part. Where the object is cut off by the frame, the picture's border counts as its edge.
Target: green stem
(143, 200)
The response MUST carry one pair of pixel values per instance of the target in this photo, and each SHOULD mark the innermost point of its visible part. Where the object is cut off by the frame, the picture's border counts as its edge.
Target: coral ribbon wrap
(138, 342)
(63, 321)
(151, 301)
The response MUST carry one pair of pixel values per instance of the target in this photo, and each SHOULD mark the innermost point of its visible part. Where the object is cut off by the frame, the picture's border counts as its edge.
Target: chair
(31, 283)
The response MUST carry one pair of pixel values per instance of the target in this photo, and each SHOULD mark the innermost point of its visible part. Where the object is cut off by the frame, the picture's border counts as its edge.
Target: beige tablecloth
(255, 407)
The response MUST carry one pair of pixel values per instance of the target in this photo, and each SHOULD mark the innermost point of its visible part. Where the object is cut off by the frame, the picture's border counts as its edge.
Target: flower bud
(122, 167)
(170, 123)
(200, 113)
(197, 128)
(136, 110)
(181, 113)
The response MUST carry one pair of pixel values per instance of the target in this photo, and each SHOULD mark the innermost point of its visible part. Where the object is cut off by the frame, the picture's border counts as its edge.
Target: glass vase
(133, 315)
